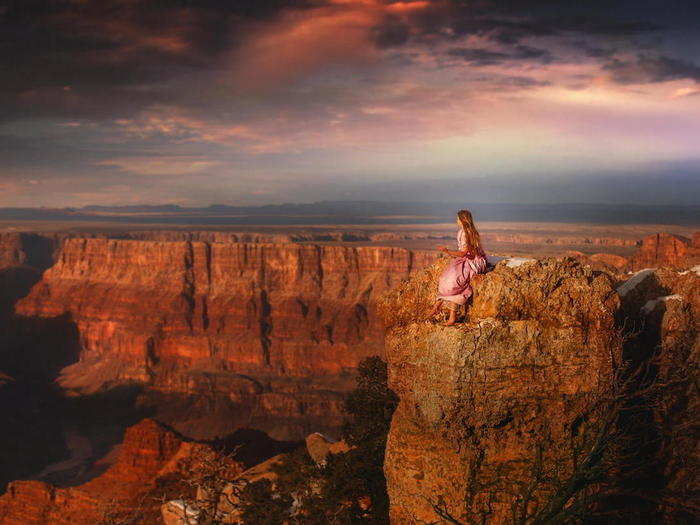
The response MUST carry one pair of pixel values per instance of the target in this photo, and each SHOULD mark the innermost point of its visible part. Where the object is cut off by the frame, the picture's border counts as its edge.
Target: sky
(196, 102)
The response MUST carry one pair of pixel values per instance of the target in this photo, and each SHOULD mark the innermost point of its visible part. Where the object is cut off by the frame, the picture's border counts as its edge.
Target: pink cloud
(161, 165)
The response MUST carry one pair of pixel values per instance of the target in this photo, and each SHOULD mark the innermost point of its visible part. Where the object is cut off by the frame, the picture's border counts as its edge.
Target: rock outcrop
(150, 457)
(495, 413)
(499, 417)
(665, 249)
(267, 335)
(485, 402)
(320, 446)
(610, 261)
(664, 307)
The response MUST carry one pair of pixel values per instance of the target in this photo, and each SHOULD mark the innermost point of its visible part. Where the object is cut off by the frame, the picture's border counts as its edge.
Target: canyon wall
(266, 335)
(665, 249)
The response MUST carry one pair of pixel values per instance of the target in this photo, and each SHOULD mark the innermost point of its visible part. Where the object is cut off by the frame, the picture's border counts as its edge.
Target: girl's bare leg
(436, 309)
(451, 320)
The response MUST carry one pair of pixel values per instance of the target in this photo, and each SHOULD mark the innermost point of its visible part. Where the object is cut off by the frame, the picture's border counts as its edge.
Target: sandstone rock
(28, 249)
(488, 406)
(610, 260)
(664, 308)
(271, 333)
(229, 498)
(606, 262)
(149, 455)
(180, 512)
(319, 446)
(556, 240)
(664, 249)
(646, 286)
(481, 401)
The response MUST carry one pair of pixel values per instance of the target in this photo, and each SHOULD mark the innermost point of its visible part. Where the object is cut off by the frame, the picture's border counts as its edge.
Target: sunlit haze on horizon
(195, 102)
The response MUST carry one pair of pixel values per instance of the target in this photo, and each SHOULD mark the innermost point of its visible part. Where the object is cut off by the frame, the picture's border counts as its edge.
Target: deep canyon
(213, 332)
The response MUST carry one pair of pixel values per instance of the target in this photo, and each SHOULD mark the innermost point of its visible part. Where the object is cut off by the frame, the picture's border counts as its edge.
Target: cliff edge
(506, 417)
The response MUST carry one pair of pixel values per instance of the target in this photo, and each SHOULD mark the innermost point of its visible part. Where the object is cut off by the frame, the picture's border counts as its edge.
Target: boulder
(319, 446)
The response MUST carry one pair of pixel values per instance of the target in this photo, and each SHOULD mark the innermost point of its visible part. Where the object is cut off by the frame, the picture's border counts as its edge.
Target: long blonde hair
(470, 231)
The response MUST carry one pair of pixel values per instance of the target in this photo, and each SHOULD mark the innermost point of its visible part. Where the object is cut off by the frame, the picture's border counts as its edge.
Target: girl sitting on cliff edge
(454, 287)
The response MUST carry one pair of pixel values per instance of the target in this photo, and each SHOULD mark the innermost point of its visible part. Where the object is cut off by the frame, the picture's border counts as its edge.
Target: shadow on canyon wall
(42, 427)
(68, 440)
(32, 436)
(658, 384)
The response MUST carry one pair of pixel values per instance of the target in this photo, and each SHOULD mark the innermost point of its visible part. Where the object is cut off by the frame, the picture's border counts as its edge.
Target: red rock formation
(149, 455)
(249, 323)
(664, 249)
(606, 262)
(616, 262)
(493, 411)
(11, 253)
(477, 401)
(556, 239)
(28, 249)
(319, 447)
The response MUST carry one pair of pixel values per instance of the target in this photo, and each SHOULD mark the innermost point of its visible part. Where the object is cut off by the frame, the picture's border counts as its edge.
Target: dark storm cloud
(82, 58)
(593, 51)
(391, 32)
(77, 59)
(597, 29)
(512, 21)
(481, 57)
(485, 57)
(649, 69)
(522, 82)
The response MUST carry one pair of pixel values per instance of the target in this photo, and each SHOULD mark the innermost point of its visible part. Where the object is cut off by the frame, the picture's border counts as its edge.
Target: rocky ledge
(511, 416)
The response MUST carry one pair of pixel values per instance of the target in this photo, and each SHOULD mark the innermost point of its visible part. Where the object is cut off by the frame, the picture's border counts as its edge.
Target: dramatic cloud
(196, 101)
(649, 69)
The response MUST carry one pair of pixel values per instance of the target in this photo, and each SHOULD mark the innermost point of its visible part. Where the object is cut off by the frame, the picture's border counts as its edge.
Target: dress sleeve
(461, 240)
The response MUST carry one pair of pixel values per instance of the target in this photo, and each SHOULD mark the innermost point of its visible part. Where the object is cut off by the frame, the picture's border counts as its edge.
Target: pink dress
(453, 285)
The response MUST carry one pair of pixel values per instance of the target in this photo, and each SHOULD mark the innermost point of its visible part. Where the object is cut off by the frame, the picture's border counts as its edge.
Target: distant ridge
(363, 212)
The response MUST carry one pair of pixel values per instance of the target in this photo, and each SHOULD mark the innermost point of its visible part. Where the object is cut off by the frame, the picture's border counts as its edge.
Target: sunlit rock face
(496, 413)
(665, 249)
(481, 401)
(222, 334)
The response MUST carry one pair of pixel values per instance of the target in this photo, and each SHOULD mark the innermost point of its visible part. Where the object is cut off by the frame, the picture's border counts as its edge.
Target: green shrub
(262, 505)
(350, 487)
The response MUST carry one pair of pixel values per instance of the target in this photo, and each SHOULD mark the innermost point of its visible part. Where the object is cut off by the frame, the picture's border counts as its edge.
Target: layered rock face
(23, 257)
(665, 249)
(27, 249)
(29, 439)
(267, 333)
(150, 458)
(654, 251)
